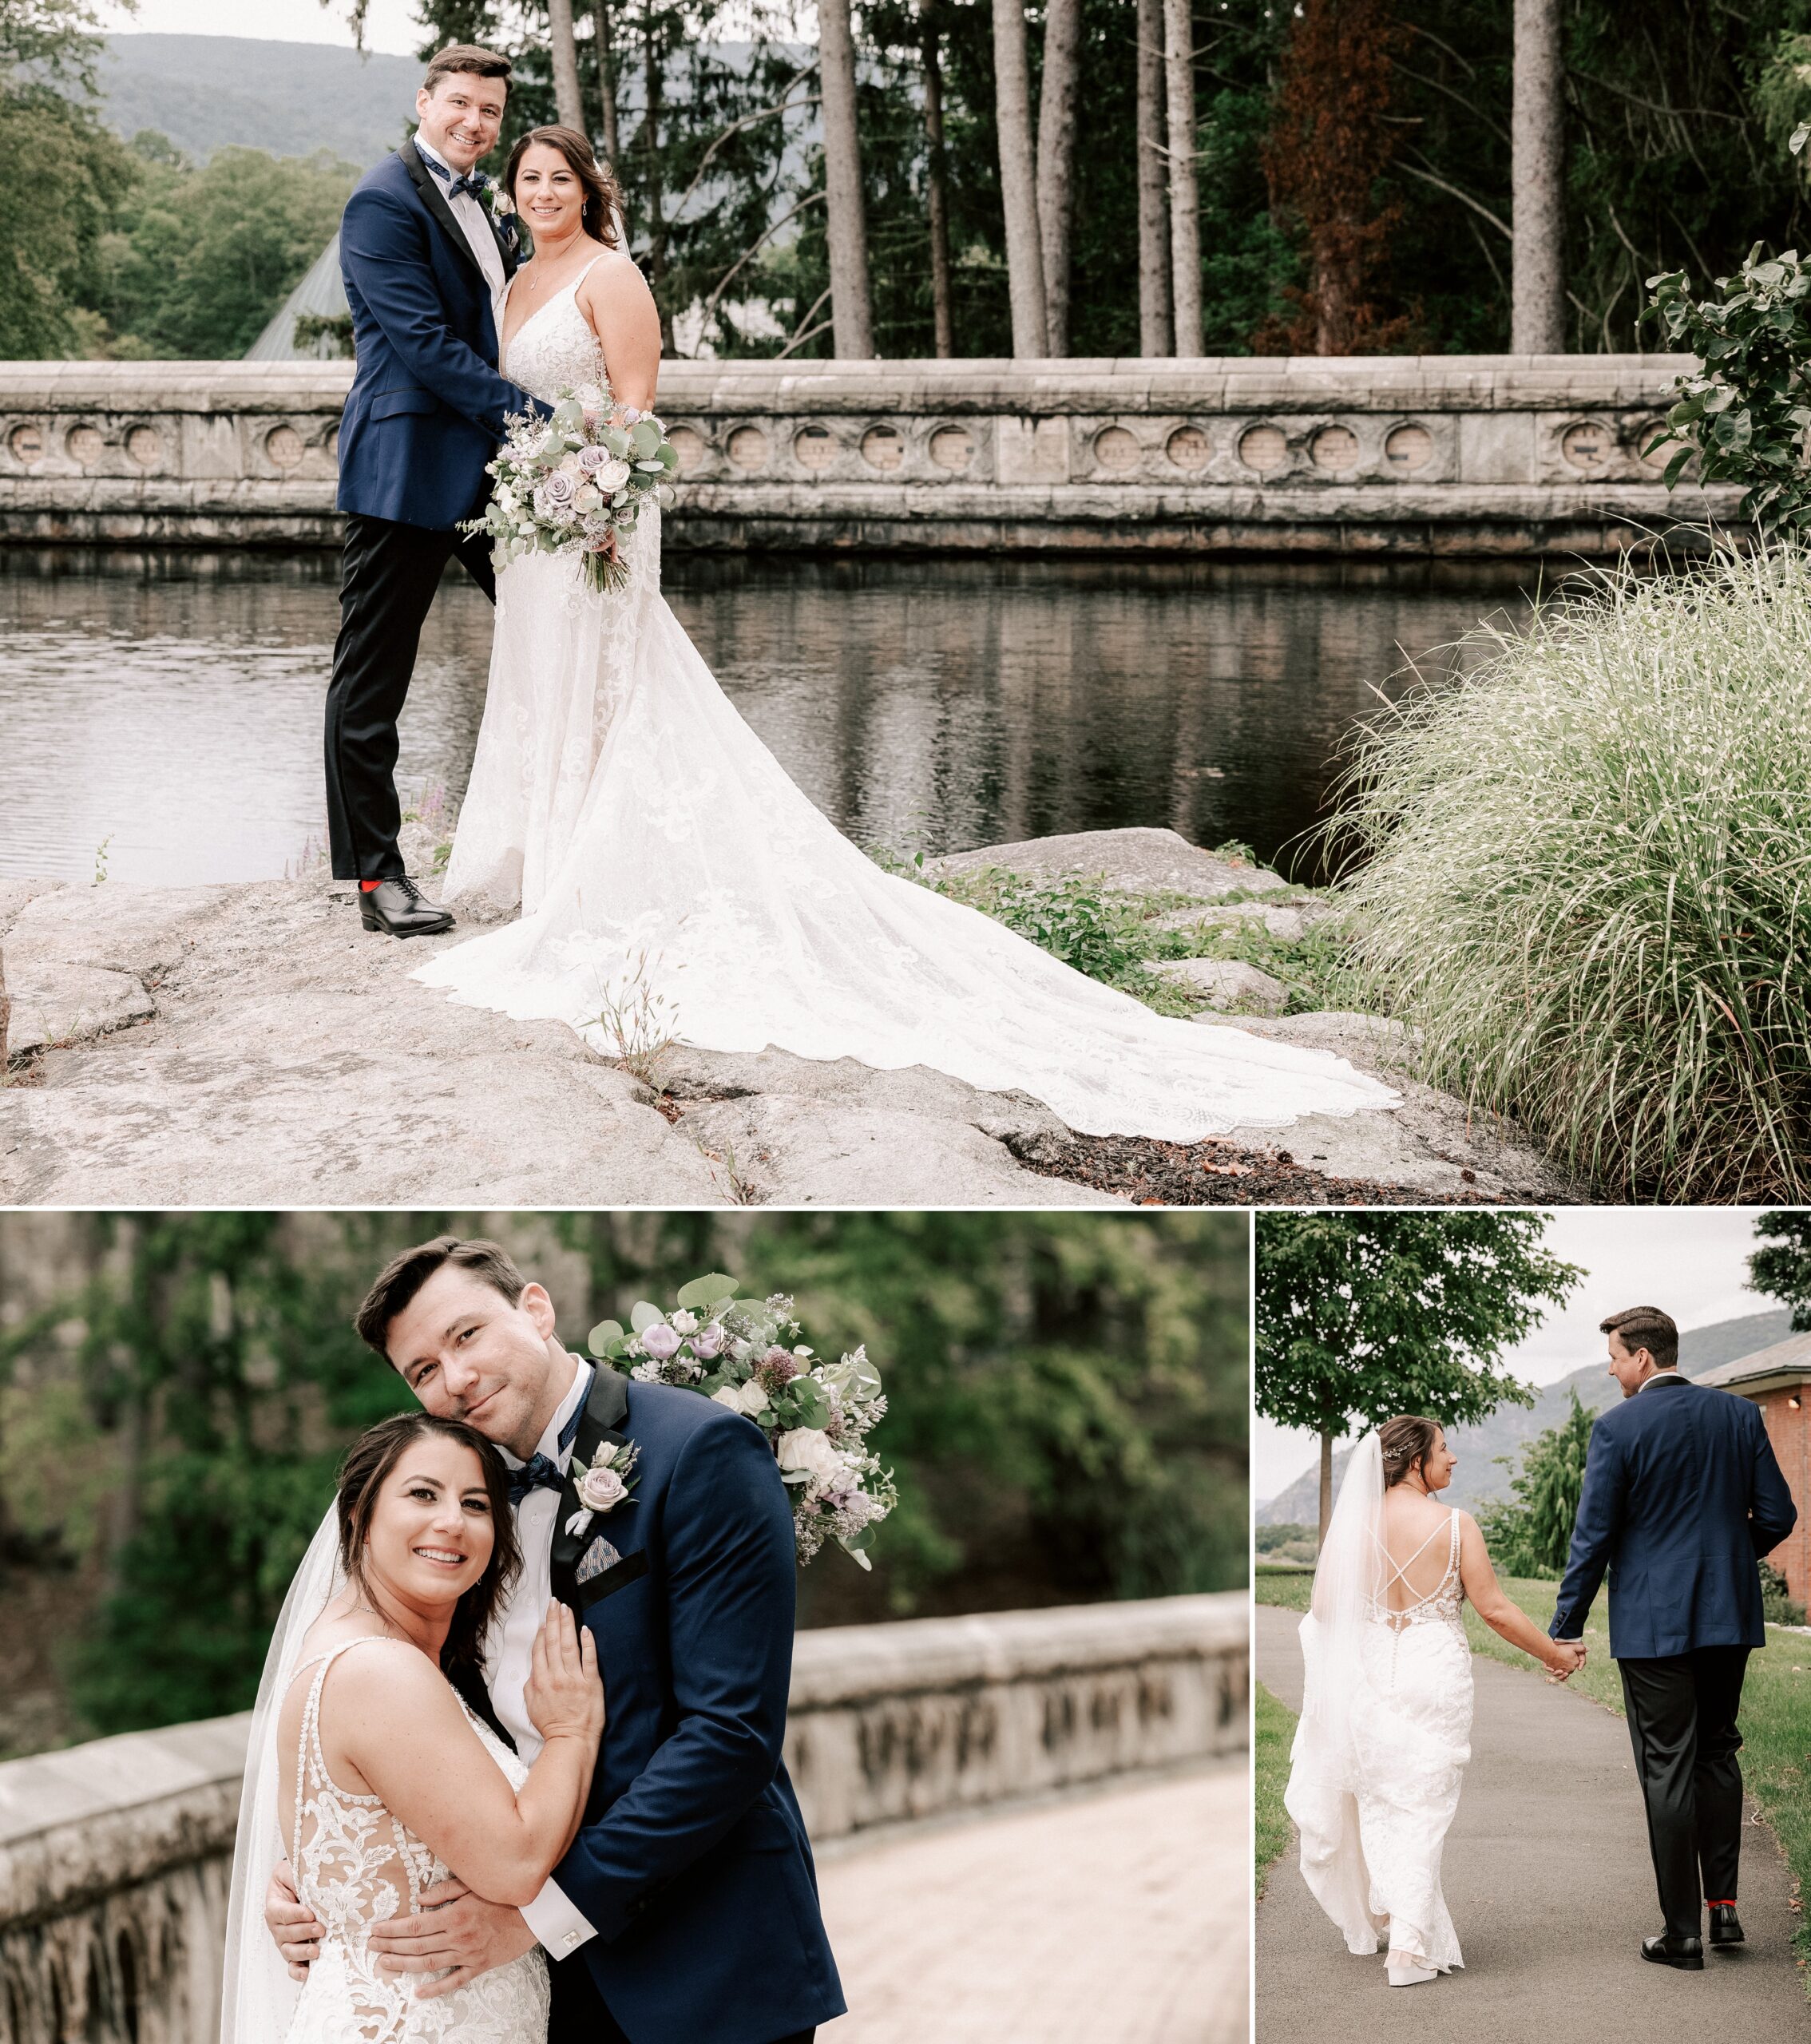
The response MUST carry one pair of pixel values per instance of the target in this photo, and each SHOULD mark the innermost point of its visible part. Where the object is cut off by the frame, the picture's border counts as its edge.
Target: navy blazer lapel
(605, 1410)
(434, 200)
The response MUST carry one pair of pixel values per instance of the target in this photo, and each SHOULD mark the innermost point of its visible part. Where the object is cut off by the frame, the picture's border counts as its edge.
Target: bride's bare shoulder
(614, 285)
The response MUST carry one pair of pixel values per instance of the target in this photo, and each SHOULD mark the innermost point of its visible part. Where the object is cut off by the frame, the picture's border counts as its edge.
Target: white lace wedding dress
(653, 844)
(355, 1863)
(1373, 1806)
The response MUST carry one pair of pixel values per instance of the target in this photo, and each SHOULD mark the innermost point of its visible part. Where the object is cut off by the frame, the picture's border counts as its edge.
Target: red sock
(1726, 1902)
(369, 886)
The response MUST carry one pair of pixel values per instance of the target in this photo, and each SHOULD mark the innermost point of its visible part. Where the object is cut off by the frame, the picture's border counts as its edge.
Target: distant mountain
(212, 92)
(1480, 1476)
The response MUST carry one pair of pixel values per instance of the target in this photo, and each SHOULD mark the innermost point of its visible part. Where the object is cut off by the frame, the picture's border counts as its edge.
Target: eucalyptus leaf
(643, 1315)
(603, 1333)
(702, 1294)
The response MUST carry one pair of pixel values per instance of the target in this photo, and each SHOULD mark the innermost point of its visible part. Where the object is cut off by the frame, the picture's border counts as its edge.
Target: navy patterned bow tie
(455, 185)
(539, 1472)
(458, 184)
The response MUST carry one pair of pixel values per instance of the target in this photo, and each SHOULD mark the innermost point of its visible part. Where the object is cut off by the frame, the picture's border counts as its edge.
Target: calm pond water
(169, 708)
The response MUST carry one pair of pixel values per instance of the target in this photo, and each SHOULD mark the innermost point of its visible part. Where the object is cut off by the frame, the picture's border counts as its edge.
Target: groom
(686, 1911)
(426, 266)
(1682, 1495)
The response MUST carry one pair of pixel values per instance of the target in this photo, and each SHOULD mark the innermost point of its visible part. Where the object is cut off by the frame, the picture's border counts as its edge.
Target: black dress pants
(579, 2017)
(1682, 1724)
(389, 574)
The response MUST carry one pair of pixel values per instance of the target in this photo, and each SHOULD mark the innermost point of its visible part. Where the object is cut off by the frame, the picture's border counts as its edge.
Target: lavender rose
(600, 1490)
(660, 1341)
(708, 1344)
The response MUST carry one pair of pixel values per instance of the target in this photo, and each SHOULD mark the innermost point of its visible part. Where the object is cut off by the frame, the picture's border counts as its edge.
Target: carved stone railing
(115, 1856)
(1416, 455)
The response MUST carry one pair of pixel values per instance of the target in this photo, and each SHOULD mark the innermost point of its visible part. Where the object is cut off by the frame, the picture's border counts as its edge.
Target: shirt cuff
(556, 1922)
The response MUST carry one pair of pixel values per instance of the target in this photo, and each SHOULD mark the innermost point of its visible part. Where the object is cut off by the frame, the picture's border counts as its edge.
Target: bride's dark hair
(603, 196)
(1406, 1442)
(370, 1460)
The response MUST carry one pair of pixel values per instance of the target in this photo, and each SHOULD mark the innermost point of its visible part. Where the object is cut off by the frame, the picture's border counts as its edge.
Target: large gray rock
(1136, 861)
(54, 1003)
(1433, 1143)
(1228, 985)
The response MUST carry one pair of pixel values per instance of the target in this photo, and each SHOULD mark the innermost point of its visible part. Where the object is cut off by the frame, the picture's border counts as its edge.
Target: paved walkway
(1115, 1918)
(1549, 1880)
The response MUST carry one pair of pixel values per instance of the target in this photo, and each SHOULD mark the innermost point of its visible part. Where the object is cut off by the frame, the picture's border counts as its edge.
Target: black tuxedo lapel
(605, 1410)
(434, 200)
(468, 1682)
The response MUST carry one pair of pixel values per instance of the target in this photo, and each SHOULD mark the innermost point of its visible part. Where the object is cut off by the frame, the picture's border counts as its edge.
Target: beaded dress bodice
(356, 1863)
(554, 350)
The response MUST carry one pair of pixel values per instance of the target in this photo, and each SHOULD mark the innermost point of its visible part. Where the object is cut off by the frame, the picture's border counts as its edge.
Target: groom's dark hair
(404, 1276)
(467, 59)
(1646, 1327)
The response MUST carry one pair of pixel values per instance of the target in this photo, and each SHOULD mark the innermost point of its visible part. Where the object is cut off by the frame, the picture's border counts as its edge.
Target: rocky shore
(250, 1045)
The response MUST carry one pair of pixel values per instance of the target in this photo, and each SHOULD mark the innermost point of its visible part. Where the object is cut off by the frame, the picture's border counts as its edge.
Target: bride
(666, 869)
(368, 1772)
(1380, 1751)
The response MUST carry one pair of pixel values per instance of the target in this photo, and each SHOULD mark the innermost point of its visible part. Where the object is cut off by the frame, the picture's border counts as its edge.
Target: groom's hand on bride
(292, 1923)
(454, 1929)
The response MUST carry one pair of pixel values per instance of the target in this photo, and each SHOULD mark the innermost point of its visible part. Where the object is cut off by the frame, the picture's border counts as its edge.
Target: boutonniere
(502, 207)
(604, 1485)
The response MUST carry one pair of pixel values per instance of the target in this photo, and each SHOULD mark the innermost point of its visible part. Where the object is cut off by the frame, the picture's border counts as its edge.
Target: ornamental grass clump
(1584, 874)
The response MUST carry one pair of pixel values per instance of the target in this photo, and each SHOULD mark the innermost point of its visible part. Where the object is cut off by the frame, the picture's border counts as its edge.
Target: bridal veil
(258, 1997)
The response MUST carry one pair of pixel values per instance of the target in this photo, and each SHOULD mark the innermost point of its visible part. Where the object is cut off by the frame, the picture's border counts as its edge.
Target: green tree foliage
(1068, 1408)
(1531, 1533)
(1781, 1268)
(198, 260)
(63, 174)
(1362, 1317)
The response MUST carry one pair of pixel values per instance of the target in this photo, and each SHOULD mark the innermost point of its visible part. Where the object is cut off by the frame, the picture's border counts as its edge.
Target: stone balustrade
(1411, 455)
(115, 1856)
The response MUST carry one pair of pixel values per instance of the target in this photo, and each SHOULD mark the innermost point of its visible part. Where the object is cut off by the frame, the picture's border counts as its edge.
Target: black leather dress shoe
(1686, 1954)
(1725, 1927)
(399, 908)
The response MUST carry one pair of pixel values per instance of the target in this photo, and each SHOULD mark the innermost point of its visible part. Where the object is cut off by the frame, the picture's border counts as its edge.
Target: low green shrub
(1583, 874)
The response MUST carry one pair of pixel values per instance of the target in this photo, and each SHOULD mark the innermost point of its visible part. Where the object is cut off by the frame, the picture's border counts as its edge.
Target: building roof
(1786, 1362)
(321, 292)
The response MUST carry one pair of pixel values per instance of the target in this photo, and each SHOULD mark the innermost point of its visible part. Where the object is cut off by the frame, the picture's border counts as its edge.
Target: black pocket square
(618, 1576)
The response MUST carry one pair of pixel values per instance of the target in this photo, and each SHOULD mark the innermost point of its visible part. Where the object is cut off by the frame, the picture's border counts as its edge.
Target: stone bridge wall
(1410, 455)
(115, 1856)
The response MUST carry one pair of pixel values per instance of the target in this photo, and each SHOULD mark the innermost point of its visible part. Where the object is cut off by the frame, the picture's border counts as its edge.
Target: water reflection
(170, 706)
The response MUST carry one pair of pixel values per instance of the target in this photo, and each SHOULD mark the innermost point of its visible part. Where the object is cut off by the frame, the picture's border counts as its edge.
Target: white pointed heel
(1404, 1974)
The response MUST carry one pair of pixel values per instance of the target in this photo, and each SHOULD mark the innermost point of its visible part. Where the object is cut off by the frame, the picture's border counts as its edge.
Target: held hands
(1565, 1660)
(563, 1695)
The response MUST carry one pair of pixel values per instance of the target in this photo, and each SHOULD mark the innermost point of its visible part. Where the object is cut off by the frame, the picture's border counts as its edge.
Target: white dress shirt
(474, 224)
(509, 1653)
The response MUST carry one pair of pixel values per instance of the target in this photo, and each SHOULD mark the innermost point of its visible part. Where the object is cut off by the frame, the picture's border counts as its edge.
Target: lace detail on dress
(650, 840)
(355, 1864)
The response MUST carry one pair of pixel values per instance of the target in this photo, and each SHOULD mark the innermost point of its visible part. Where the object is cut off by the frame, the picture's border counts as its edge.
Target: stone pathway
(1549, 1880)
(1120, 1918)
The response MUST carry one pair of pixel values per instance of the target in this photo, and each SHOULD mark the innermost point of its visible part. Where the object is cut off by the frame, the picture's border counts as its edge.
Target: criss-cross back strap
(1399, 1570)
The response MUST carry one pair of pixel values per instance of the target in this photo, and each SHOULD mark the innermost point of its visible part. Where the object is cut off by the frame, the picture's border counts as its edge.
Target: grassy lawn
(1776, 1715)
(1275, 1732)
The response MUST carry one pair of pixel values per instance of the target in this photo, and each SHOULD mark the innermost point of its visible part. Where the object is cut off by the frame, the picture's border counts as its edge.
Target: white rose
(613, 474)
(600, 1489)
(752, 1399)
(683, 1322)
(727, 1395)
(810, 1448)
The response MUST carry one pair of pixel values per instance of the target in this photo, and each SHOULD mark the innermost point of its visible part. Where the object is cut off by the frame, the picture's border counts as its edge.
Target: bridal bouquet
(573, 482)
(745, 1353)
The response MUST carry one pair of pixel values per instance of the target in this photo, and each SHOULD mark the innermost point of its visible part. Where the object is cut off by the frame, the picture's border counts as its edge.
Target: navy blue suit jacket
(1682, 1497)
(692, 1861)
(426, 407)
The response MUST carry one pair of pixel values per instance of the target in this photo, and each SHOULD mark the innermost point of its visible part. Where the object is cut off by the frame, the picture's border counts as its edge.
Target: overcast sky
(1691, 1262)
(390, 24)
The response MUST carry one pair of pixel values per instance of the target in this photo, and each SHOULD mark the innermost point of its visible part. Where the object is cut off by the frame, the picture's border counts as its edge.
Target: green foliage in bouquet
(745, 1354)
